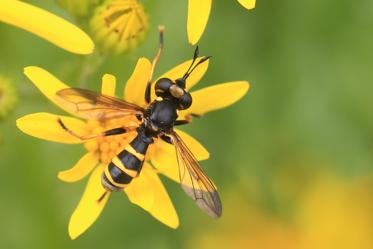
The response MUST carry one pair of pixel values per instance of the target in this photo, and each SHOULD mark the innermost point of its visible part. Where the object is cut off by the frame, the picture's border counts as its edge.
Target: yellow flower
(198, 15)
(46, 25)
(8, 96)
(119, 25)
(146, 190)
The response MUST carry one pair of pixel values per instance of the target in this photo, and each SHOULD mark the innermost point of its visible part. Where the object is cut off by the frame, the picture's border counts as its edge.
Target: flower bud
(119, 25)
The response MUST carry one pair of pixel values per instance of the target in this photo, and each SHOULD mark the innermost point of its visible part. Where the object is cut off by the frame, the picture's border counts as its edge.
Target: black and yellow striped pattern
(125, 166)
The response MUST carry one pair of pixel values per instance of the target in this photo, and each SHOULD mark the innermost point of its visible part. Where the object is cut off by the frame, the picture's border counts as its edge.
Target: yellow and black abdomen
(126, 165)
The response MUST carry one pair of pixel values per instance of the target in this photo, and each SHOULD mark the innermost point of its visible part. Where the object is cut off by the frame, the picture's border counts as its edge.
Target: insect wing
(91, 105)
(194, 180)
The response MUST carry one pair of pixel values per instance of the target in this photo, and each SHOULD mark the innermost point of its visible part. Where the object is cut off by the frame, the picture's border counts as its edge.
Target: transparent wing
(194, 180)
(91, 105)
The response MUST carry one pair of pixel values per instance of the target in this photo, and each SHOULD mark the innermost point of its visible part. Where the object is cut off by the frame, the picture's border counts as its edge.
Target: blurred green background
(292, 160)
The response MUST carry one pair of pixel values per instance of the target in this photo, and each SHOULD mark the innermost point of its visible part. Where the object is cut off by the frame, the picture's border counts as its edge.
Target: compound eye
(162, 86)
(185, 101)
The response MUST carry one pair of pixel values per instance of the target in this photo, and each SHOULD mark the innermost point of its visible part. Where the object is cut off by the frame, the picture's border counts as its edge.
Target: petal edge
(88, 209)
(46, 25)
(135, 87)
(108, 85)
(44, 125)
(81, 169)
(198, 15)
(160, 207)
(217, 97)
(248, 4)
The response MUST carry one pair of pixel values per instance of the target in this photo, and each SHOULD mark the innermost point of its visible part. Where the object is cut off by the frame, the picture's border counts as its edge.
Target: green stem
(89, 66)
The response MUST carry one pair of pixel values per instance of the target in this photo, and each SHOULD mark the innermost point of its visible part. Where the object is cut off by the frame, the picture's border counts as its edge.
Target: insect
(155, 122)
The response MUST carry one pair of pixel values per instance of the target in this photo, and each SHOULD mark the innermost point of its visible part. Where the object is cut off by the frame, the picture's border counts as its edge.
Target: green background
(307, 115)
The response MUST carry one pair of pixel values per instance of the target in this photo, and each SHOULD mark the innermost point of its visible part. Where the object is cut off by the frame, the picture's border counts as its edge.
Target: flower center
(108, 147)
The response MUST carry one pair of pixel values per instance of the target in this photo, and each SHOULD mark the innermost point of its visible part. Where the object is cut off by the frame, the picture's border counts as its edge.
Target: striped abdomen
(126, 165)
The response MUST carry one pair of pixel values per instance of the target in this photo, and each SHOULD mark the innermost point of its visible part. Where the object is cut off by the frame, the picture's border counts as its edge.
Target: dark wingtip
(214, 210)
(218, 206)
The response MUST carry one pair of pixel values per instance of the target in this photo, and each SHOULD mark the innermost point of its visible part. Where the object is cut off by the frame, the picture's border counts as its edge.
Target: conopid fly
(155, 122)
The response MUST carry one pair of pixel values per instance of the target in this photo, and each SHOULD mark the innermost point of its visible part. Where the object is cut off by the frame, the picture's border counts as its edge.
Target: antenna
(195, 56)
(199, 62)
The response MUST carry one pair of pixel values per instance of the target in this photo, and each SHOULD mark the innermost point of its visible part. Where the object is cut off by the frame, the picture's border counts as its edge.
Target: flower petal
(200, 152)
(88, 208)
(216, 97)
(198, 15)
(248, 4)
(136, 193)
(148, 192)
(46, 25)
(46, 83)
(135, 87)
(81, 169)
(165, 160)
(108, 85)
(180, 70)
(45, 126)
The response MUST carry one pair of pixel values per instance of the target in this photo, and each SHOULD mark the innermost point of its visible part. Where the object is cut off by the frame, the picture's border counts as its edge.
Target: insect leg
(115, 131)
(154, 63)
(182, 122)
(167, 139)
(188, 119)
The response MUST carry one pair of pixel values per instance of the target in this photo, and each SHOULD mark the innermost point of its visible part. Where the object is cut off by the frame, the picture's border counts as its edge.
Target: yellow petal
(81, 169)
(88, 208)
(148, 192)
(136, 193)
(198, 15)
(180, 70)
(248, 4)
(46, 83)
(165, 160)
(135, 86)
(216, 97)
(45, 126)
(194, 146)
(108, 85)
(46, 25)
